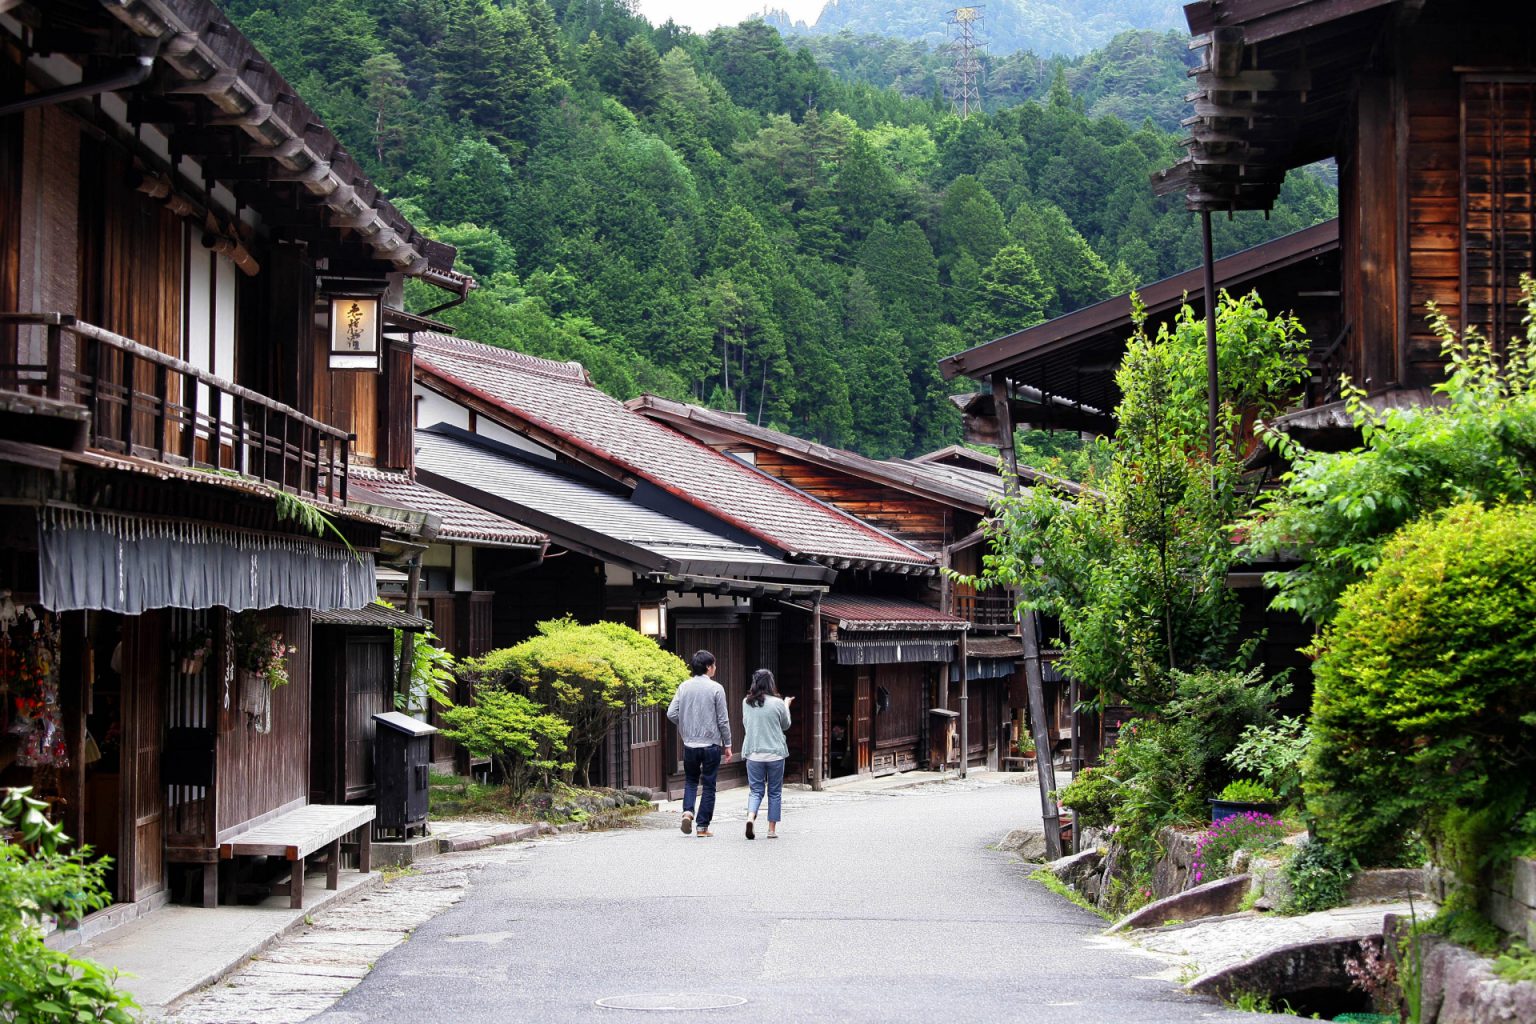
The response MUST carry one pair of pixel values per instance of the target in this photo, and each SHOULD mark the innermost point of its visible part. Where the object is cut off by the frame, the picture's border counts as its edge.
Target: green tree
(587, 675)
(1136, 572)
(1013, 295)
(639, 75)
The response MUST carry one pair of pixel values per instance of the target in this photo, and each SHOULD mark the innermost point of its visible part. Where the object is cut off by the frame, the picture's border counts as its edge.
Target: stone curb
(371, 881)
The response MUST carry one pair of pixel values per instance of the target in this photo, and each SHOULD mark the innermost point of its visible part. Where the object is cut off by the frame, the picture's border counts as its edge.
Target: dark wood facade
(159, 317)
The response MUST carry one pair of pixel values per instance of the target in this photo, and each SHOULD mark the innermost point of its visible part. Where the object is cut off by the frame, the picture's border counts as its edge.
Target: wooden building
(550, 429)
(197, 348)
(1428, 108)
(934, 505)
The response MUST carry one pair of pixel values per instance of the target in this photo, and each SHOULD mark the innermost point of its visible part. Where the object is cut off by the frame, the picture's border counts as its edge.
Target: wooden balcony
(987, 612)
(146, 404)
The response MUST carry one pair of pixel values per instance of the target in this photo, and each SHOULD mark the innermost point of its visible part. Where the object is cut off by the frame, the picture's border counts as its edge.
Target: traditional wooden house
(1428, 108)
(556, 430)
(932, 506)
(197, 347)
(1060, 375)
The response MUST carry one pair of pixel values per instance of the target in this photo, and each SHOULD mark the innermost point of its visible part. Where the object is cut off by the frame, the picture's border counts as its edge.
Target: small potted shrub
(1026, 747)
(1241, 797)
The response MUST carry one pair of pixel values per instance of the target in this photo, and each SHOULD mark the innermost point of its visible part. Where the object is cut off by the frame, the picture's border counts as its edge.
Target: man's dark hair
(700, 662)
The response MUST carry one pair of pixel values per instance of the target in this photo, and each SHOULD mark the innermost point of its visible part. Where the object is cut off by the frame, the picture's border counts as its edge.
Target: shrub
(587, 675)
(1246, 791)
(1216, 845)
(1274, 754)
(38, 984)
(1426, 692)
(523, 741)
(1093, 794)
(1319, 875)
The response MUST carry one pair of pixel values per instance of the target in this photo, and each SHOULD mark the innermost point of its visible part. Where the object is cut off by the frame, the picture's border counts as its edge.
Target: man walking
(698, 711)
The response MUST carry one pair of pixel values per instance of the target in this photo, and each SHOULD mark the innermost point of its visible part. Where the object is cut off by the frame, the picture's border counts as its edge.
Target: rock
(1027, 843)
(1075, 868)
(1270, 884)
(1376, 884)
(642, 792)
(1213, 899)
(1461, 988)
(1171, 872)
(1303, 967)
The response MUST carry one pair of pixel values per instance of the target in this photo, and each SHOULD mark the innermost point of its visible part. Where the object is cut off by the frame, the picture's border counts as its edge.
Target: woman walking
(765, 717)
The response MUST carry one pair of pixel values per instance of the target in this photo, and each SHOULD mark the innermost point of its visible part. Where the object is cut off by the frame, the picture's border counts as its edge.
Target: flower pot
(1229, 808)
(191, 666)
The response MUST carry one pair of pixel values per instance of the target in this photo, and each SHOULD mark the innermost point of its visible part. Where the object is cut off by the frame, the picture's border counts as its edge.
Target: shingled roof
(556, 404)
(461, 522)
(585, 512)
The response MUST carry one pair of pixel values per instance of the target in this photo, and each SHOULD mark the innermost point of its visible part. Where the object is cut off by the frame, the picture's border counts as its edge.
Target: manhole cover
(671, 1001)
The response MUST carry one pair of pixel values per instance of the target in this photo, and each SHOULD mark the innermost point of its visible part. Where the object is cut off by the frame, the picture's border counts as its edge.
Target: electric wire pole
(965, 94)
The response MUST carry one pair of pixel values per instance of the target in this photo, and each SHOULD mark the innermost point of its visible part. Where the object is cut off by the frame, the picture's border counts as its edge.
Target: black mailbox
(402, 758)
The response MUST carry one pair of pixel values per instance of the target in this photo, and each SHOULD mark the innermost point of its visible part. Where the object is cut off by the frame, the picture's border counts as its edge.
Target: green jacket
(765, 728)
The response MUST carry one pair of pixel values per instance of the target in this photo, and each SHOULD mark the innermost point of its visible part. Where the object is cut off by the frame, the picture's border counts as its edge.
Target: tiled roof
(460, 521)
(559, 398)
(577, 511)
(371, 615)
(710, 424)
(856, 612)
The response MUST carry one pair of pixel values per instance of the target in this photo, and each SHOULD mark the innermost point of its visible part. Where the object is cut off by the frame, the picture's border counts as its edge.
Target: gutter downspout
(125, 79)
(1211, 382)
(818, 707)
(464, 288)
(408, 637)
(965, 707)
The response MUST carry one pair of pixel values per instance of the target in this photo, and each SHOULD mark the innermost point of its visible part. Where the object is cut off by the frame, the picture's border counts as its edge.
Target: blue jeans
(699, 766)
(765, 775)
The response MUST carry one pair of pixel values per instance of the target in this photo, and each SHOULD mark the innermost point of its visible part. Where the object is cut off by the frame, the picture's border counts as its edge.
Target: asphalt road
(872, 907)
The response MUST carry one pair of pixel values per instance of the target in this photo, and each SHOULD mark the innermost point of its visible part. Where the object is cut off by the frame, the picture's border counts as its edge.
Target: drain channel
(671, 1001)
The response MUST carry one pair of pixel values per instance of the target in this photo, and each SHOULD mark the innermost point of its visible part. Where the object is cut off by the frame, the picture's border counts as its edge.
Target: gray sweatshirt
(698, 711)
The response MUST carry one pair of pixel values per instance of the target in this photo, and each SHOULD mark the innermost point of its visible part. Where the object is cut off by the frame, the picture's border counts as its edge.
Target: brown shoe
(687, 825)
(704, 833)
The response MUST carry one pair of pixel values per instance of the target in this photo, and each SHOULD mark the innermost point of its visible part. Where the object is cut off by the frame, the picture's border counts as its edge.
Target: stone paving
(305, 972)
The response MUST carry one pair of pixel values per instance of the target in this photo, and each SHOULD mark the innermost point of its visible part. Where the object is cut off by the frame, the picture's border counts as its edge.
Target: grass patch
(1517, 963)
(395, 871)
(598, 808)
(1047, 878)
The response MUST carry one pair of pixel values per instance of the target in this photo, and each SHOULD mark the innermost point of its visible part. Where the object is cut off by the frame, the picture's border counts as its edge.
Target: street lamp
(653, 619)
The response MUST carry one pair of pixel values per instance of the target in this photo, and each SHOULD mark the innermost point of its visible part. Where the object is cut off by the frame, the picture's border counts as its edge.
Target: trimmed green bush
(1425, 694)
(1092, 795)
(1319, 875)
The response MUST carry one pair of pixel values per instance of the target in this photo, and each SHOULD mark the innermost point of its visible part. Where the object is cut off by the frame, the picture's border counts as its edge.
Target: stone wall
(1511, 904)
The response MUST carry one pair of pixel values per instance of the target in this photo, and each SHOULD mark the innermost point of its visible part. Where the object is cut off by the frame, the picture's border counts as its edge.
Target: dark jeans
(699, 766)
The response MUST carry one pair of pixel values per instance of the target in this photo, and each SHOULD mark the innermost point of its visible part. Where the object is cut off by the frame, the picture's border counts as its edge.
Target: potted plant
(260, 658)
(1026, 747)
(1242, 796)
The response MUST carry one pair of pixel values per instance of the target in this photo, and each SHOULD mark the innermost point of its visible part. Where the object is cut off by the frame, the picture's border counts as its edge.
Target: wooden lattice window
(1498, 185)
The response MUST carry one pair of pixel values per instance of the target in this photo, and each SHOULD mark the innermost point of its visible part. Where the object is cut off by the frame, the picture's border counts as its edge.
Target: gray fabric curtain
(126, 564)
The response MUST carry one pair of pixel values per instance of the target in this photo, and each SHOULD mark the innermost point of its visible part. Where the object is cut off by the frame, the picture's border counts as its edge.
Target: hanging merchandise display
(29, 681)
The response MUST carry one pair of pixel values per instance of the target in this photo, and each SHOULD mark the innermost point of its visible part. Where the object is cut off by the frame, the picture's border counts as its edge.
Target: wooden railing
(147, 404)
(986, 611)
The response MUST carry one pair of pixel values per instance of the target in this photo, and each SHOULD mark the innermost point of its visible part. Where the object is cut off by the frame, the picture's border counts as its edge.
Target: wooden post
(1211, 382)
(818, 703)
(965, 709)
(1050, 816)
(408, 636)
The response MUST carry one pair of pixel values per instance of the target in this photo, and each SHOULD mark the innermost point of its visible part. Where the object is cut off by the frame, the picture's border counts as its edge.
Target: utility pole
(965, 95)
(1050, 814)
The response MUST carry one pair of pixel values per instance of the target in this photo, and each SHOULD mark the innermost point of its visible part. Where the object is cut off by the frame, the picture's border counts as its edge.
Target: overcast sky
(703, 15)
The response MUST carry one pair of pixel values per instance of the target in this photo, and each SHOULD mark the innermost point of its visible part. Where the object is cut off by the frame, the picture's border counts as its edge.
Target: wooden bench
(299, 833)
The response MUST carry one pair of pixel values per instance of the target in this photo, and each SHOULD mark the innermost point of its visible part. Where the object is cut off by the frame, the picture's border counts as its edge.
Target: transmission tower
(965, 94)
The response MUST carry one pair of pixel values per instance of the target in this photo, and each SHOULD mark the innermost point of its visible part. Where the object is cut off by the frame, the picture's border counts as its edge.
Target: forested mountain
(718, 218)
(1135, 76)
(1043, 26)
